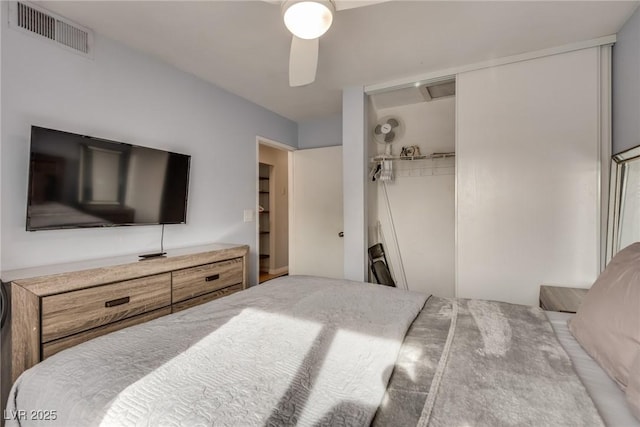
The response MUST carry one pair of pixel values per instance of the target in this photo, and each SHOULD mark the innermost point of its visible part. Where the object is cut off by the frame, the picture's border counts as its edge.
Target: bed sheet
(607, 396)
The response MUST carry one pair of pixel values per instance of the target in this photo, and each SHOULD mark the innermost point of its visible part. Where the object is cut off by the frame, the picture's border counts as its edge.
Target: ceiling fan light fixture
(308, 19)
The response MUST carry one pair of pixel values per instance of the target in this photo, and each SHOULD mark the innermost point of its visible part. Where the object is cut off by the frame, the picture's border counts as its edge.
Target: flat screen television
(78, 181)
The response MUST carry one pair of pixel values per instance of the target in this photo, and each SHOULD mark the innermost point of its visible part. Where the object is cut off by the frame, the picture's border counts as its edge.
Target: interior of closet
(412, 184)
(273, 211)
(264, 212)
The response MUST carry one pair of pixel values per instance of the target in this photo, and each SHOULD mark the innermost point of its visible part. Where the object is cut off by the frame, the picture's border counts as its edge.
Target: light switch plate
(249, 215)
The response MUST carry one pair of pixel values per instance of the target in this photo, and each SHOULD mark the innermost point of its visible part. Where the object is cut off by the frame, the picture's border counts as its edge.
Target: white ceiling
(243, 46)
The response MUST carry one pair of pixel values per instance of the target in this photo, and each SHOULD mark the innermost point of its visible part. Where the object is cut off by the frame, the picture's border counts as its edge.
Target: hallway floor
(264, 276)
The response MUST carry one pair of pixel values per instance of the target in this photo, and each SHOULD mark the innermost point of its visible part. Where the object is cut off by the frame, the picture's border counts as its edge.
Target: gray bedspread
(482, 363)
(312, 351)
(297, 350)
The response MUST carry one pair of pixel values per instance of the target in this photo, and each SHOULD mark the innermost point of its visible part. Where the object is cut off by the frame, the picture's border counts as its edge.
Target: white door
(315, 246)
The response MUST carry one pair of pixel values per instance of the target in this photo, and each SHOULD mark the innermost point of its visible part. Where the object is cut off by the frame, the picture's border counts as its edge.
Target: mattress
(607, 396)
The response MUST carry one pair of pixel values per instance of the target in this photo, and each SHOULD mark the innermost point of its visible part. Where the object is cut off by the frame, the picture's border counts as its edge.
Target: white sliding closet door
(527, 150)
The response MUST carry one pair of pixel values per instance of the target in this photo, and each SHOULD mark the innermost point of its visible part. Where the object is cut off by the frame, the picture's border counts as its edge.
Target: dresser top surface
(50, 279)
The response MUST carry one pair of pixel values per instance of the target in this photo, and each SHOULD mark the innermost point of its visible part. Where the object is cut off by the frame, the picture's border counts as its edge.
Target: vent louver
(71, 36)
(36, 21)
(43, 23)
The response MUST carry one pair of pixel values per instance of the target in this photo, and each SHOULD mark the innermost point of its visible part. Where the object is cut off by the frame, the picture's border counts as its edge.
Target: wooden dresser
(56, 307)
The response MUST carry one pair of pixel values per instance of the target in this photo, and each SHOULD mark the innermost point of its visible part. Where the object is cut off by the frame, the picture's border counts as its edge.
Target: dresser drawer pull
(115, 302)
(212, 278)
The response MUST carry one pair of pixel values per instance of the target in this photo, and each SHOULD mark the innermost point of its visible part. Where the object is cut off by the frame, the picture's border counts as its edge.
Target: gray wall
(320, 132)
(626, 86)
(127, 96)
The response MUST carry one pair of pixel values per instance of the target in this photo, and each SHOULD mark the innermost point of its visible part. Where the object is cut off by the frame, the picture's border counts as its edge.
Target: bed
(607, 396)
(306, 350)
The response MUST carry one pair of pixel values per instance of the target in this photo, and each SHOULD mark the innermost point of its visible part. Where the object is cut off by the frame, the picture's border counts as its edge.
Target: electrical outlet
(249, 215)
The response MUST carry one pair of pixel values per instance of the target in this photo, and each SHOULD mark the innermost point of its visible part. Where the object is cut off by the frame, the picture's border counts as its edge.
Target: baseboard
(281, 270)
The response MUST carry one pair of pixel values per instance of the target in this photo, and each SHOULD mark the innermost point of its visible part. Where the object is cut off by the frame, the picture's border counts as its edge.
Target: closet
(264, 216)
(520, 206)
(273, 211)
(412, 213)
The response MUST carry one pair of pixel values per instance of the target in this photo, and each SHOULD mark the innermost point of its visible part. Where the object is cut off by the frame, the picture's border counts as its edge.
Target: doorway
(273, 209)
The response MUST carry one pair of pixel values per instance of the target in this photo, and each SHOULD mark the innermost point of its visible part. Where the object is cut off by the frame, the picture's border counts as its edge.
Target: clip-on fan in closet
(386, 131)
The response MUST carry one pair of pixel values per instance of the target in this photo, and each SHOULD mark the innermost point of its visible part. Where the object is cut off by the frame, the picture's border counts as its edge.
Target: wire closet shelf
(386, 167)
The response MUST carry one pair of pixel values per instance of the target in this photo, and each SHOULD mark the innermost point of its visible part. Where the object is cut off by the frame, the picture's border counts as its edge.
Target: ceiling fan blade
(303, 61)
(351, 4)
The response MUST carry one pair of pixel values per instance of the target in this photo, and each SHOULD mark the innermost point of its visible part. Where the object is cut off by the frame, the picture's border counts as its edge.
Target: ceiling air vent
(36, 20)
(438, 90)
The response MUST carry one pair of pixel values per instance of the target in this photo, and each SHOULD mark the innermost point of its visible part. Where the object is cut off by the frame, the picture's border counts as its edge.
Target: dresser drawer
(72, 312)
(52, 347)
(183, 305)
(195, 281)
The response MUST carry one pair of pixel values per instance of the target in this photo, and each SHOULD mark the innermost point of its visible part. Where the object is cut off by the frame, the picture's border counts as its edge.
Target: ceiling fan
(308, 20)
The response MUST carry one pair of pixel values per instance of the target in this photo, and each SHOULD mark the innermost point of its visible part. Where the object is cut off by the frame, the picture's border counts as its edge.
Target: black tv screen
(81, 181)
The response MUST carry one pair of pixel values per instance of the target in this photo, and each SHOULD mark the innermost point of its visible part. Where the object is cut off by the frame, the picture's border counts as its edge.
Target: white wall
(626, 86)
(355, 169)
(279, 205)
(420, 204)
(126, 96)
(430, 125)
(527, 151)
(320, 132)
(3, 382)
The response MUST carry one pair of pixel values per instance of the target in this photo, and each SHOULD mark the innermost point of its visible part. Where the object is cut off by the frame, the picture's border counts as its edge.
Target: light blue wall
(124, 95)
(320, 132)
(626, 86)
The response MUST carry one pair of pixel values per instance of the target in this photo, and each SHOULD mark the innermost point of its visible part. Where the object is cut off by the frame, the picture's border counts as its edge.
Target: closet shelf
(433, 156)
(416, 166)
